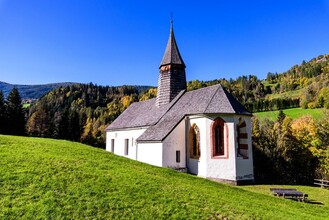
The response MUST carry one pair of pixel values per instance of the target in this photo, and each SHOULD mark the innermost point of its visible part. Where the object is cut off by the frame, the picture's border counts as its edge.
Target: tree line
(77, 112)
(251, 92)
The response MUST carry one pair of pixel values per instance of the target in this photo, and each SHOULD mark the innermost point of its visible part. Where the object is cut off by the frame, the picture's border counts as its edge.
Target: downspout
(136, 150)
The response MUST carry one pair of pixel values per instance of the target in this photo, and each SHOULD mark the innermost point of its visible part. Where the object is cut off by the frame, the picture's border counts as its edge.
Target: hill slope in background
(37, 91)
(45, 178)
(293, 113)
(32, 91)
(305, 85)
(81, 112)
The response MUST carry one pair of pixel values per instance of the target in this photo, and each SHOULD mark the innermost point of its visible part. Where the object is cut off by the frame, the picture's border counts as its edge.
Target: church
(205, 132)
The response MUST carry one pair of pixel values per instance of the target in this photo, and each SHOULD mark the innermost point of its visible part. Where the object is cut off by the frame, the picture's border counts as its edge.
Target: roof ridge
(219, 85)
(231, 99)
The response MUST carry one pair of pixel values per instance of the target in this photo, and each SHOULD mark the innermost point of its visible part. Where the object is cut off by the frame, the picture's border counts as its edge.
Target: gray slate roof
(141, 114)
(172, 55)
(162, 120)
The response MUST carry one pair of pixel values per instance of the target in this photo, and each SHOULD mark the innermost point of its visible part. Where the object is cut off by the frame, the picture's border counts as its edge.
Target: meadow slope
(293, 113)
(54, 179)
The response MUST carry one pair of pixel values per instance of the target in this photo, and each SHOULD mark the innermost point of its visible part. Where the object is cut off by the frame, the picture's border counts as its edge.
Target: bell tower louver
(172, 77)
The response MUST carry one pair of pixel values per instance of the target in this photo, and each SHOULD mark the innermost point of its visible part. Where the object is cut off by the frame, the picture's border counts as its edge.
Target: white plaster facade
(229, 167)
(120, 138)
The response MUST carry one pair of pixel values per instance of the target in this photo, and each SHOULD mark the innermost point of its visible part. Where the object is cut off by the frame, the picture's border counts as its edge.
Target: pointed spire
(172, 77)
(172, 55)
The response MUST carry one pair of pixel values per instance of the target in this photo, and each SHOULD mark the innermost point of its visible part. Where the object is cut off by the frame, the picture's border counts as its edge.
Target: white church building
(206, 132)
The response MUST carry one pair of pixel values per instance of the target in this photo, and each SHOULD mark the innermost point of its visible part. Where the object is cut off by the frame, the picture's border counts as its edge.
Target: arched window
(194, 142)
(242, 139)
(219, 145)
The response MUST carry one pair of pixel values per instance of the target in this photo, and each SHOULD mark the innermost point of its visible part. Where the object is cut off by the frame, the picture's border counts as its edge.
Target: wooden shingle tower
(172, 77)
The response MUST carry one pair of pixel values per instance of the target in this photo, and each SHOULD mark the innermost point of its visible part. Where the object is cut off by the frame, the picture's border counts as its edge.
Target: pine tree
(62, 125)
(74, 126)
(281, 117)
(2, 114)
(15, 111)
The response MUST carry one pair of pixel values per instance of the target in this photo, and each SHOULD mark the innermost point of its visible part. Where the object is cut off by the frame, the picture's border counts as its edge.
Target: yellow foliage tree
(305, 130)
(149, 94)
(126, 101)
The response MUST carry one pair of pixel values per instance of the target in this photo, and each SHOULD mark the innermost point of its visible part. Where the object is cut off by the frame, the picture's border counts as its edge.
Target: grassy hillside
(293, 113)
(45, 178)
(289, 94)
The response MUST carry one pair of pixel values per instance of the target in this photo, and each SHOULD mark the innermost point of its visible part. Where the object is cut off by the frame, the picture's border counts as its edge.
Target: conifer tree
(16, 119)
(281, 117)
(2, 114)
(62, 125)
(74, 126)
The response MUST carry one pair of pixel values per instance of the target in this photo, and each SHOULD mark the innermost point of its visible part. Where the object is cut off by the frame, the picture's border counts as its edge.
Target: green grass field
(293, 113)
(26, 105)
(53, 179)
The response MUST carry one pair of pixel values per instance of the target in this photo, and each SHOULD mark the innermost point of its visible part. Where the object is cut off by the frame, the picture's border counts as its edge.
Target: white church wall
(174, 142)
(245, 166)
(199, 166)
(223, 167)
(120, 139)
(150, 153)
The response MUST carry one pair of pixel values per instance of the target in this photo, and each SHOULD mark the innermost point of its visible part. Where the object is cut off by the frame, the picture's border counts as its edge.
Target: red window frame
(219, 139)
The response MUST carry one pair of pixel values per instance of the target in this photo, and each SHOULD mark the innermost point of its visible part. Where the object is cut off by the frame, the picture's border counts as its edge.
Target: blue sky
(116, 42)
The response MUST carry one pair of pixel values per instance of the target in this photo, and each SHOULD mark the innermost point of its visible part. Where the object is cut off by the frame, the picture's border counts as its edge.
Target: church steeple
(172, 77)
(172, 55)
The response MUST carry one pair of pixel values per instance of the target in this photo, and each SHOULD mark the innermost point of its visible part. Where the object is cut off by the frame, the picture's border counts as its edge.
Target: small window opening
(177, 156)
(112, 145)
(126, 147)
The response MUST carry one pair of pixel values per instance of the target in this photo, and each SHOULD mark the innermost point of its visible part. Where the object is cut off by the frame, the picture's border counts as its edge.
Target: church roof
(172, 55)
(141, 114)
(162, 120)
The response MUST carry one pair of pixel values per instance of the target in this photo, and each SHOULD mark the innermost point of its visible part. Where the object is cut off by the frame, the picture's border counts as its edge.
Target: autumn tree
(322, 151)
(38, 123)
(149, 94)
(278, 154)
(292, 155)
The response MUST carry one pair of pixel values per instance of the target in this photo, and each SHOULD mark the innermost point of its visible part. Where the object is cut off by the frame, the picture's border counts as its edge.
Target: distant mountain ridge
(32, 91)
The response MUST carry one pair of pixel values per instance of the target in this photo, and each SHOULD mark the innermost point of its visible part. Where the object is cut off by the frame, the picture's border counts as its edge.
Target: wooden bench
(289, 193)
(321, 182)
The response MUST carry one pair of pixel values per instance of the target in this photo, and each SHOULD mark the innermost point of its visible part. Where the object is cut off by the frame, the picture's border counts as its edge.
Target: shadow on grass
(307, 201)
(314, 202)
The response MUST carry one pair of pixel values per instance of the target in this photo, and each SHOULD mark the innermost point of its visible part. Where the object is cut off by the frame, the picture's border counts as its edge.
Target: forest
(81, 112)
